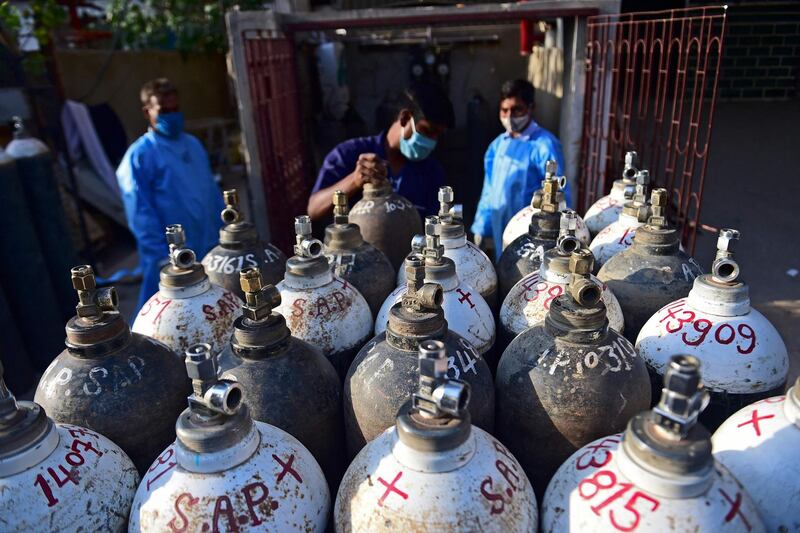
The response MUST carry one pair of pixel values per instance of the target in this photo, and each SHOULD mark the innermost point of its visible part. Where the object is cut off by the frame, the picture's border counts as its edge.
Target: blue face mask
(170, 124)
(417, 147)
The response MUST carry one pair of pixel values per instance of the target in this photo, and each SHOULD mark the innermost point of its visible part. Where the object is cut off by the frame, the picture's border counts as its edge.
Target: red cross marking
(343, 282)
(287, 468)
(465, 297)
(736, 508)
(754, 420)
(390, 487)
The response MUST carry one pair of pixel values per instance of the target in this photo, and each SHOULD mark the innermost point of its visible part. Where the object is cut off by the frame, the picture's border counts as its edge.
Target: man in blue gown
(165, 178)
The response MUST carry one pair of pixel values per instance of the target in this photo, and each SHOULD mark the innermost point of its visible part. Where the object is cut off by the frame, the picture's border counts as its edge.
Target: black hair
(157, 87)
(522, 89)
(429, 101)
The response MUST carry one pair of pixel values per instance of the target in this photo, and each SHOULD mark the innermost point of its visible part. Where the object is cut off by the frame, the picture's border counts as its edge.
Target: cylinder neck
(573, 322)
(431, 434)
(544, 226)
(791, 407)
(216, 442)
(719, 298)
(443, 272)
(555, 267)
(377, 190)
(343, 237)
(238, 236)
(256, 339)
(654, 240)
(176, 278)
(308, 272)
(408, 327)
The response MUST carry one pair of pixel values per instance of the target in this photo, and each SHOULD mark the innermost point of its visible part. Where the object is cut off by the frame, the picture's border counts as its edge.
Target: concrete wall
(201, 79)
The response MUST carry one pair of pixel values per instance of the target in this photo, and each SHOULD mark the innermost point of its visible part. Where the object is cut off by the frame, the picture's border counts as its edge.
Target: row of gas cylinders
(566, 378)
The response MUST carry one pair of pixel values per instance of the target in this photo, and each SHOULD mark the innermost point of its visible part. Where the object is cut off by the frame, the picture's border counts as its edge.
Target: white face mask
(515, 124)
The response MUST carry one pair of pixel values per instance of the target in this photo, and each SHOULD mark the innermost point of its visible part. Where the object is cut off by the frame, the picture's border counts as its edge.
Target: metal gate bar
(659, 100)
(273, 88)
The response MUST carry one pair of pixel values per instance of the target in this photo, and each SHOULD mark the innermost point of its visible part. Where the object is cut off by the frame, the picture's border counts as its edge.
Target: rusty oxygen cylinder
(652, 272)
(433, 470)
(226, 471)
(320, 308)
(744, 357)
(386, 367)
(607, 209)
(240, 247)
(659, 475)
(568, 380)
(58, 474)
(524, 254)
(187, 308)
(356, 261)
(619, 235)
(387, 220)
(123, 385)
(754, 444)
(528, 302)
(464, 308)
(472, 265)
(518, 225)
(269, 363)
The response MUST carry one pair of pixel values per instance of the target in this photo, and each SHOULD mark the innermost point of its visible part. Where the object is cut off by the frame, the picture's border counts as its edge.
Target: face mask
(417, 147)
(170, 124)
(515, 124)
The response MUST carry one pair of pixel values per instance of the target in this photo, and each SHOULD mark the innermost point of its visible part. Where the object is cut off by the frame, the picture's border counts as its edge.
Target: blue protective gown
(168, 181)
(514, 169)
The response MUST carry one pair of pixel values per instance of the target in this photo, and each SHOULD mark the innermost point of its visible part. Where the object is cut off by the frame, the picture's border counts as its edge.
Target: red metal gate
(273, 89)
(658, 100)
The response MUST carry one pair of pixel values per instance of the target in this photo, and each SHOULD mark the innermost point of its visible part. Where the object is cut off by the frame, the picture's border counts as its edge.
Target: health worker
(165, 178)
(402, 153)
(514, 165)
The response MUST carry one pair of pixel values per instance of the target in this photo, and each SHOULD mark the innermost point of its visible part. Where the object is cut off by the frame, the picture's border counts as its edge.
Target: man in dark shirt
(400, 154)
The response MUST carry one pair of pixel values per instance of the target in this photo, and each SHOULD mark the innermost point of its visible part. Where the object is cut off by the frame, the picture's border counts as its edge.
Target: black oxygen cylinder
(24, 275)
(35, 166)
(13, 356)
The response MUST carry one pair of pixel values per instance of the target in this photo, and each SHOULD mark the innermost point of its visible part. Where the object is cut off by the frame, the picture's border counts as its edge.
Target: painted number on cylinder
(605, 482)
(230, 264)
(676, 318)
(538, 287)
(467, 357)
(68, 473)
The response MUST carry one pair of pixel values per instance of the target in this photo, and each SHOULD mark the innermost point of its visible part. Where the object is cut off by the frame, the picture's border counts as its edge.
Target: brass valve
(260, 299)
(581, 287)
(231, 214)
(92, 302)
(340, 208)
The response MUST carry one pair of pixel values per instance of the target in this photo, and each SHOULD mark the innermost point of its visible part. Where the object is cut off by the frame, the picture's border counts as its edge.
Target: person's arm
(368, 167)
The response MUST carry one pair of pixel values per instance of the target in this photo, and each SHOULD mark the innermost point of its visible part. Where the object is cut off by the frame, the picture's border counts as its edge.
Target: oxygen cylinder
(758, 445)
(433, 470)
(464, 308)
(240, 247)
(619, 235)
(524, 254)
(35, 166)
(66, 476)
(187, 308)
(387, 220)
(744, 358)
(268, 363)
(607, 209)
(472, 265)
(123, 385)
(26, 282)
(652, 272)
(386, 368)
(568, 380)
(320, 308)
(518, 225)
(355, 261)
(227, 472)
(657, 476)
(528, 302)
